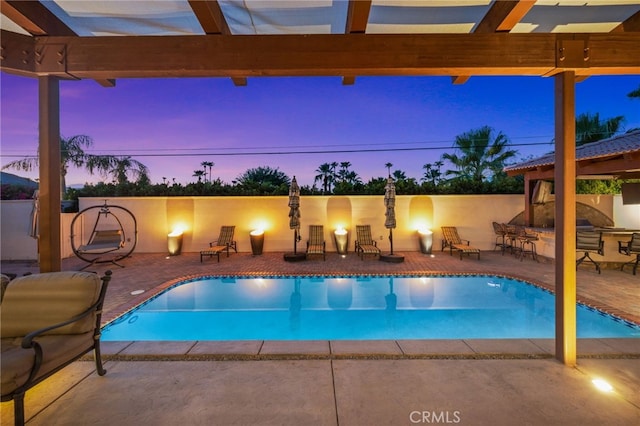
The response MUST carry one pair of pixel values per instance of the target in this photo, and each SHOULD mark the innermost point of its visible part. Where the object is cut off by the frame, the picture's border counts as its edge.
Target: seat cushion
(57, 349)
(369, 249)
(36, 301)
(315, 249)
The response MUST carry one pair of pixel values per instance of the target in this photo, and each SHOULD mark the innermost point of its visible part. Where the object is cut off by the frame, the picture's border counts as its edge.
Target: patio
(342, 382)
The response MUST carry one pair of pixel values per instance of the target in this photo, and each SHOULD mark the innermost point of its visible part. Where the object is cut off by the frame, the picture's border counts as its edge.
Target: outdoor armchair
(49, 320)
(224, 242)
(630, 248)
(316, 244)
(589, 242)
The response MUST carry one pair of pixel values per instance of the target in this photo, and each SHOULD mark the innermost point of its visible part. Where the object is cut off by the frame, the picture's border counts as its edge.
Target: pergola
(568, 40)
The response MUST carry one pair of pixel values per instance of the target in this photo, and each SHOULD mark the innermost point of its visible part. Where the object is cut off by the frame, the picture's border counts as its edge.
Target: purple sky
(206, 118)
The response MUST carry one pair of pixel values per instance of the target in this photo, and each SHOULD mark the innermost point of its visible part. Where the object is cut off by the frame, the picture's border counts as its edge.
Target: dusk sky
(173, 125)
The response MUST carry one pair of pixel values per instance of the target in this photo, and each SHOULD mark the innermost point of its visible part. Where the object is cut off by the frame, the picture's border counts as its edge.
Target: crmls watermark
(434, 417)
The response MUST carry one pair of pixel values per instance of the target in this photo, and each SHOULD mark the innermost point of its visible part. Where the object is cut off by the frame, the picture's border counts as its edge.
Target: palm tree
(121, 167)
(589, 128)
(72, 153)
(482, 154)
(399, 175)
(198, 174)
(207, 165)
(388, 166)
(325, 176)
(432, 172)
(634, 93)
(344, 171)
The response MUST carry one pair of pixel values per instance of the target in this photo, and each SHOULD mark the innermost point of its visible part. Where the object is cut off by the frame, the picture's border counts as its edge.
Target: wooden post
(49, 159)
(565, 217)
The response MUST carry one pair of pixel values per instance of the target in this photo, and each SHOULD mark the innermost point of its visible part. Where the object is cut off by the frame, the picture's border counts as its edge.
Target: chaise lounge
(364, 243)
(225, 242)
(451, 239)
(316, 244)
(49, 320)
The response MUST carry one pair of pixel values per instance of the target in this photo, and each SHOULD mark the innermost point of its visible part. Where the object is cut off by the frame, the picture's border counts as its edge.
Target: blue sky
(173, 125)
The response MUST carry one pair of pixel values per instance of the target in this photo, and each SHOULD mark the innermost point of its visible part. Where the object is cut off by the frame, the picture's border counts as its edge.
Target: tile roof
(617, 145)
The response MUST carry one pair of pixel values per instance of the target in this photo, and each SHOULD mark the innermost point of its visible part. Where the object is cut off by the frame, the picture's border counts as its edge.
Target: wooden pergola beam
(503, 16)
(357, 19)
(35, 18)
(212, 21)
(322, 55)
(631, 24)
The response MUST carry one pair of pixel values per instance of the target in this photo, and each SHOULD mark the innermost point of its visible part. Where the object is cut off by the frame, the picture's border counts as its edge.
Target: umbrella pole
(391, 239)
(295, 240)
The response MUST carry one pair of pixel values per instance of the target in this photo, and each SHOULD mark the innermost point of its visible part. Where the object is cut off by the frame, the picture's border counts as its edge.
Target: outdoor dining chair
(630, 248)
(589, 242)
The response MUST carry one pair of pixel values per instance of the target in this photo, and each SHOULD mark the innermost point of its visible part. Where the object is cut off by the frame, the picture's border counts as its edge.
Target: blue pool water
(355, 308)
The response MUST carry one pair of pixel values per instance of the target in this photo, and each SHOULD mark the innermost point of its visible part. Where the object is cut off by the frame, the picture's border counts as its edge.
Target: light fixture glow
(602, 385)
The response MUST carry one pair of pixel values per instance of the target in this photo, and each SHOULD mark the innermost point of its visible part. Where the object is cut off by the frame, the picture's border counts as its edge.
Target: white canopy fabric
(264, 17)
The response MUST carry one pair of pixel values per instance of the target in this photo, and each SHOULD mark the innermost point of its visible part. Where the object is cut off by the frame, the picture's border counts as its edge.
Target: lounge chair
(451, 239)
(316, 244)
(364, 243)
(630, 248)
(225, 242)
(589, 242)
(49, 320)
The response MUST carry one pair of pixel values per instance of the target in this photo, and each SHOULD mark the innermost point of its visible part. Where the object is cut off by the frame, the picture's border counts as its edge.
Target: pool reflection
(304, 308)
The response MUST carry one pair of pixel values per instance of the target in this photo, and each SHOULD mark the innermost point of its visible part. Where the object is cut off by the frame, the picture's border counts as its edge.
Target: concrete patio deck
(342, 382)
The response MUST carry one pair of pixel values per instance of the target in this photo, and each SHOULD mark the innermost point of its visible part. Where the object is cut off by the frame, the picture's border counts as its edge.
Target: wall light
(174, 242)
(341, 236)
(425, 237)
(257, 241)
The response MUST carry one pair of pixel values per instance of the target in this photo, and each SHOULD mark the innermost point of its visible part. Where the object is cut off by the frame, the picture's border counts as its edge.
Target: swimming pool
(355, 308)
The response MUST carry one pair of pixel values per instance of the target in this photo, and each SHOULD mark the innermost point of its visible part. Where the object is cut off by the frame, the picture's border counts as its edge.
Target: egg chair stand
(108, 243)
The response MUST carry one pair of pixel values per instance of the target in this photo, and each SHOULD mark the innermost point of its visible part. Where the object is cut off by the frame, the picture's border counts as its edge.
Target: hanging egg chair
(104, 234)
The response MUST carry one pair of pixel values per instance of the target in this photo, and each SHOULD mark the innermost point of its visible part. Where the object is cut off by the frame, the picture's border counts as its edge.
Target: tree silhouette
(72, 153)
(207, 165)
(325, 176)
(589, 127)
(198, 174)
(482, 154)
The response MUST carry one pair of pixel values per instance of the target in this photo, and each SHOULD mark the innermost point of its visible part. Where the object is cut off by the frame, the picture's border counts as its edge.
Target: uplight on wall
(341, 236)
(174, 242)
(426, 240)
(257, 241)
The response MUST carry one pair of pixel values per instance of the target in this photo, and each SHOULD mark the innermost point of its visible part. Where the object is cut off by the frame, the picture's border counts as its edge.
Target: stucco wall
(15, 227)
(202, 217)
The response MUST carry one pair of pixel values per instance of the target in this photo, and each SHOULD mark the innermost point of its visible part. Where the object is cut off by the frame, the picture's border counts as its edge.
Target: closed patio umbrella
(390, 204)
(294, 212)
(390, 221)
(35, 211)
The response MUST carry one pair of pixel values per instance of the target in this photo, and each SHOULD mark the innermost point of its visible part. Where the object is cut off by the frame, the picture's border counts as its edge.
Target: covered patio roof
(239, 39)
(615, 157)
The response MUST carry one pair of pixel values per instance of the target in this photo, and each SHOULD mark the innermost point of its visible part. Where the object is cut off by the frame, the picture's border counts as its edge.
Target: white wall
(203, 216)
